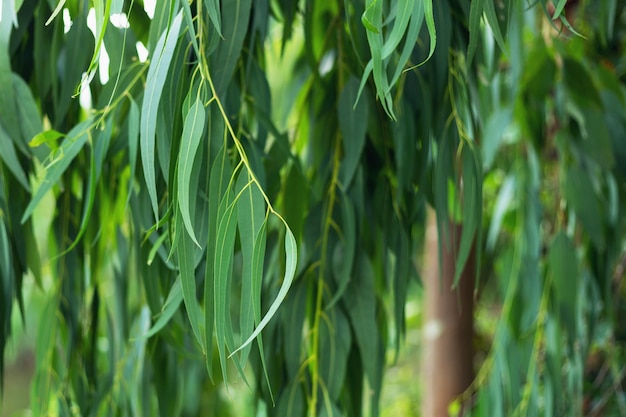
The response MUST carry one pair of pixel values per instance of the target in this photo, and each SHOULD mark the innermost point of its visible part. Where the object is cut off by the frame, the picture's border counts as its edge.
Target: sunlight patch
(142, 52)
(120, 20)
(67, 20)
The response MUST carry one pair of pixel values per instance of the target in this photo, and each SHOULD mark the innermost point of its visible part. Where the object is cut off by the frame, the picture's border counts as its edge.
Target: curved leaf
(157, 74)
(291, 259)
(192, 134)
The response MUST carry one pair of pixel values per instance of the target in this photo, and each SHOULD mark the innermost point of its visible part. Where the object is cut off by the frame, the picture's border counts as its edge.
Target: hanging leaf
(564, 269)
(353, 129)
(472, 208)
(220, 176)
(59, 161)
(345, 250)
(192, 134)
(335, 341)
(291, 259)
(581, 194)
(157, 74)
(10, 159)
(251, 221)
(170, 307)
(133, 140)
(225, 242)
(235, 18)
(185, 252)
(360, 302)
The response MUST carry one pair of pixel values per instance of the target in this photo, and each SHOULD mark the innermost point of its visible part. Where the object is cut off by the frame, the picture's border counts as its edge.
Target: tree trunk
(447, 356)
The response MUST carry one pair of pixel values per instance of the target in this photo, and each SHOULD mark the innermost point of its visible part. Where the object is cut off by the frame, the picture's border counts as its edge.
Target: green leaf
(370, 17)
(77, 51)
(235, 19)
(404, 13)
(8, 115)
(98, 153)
(291, 259)
(563, 265)
(494, 129)
(374, 15)
(596, 139)
(335, 342)
(190, 27)
(225, 242)
(10, 158)
(213, 7)
(133, 140)
(579, 84)
(27, 111)
(48, 137)
(360, 302)
(56, 11)
(582, 196)
(102, 14)
(430, 24)
(258, 258)
(345, 255)
(59, 161)
(192, 134)
(45, 381)
(494, 24)
(291, 402)
(472, 207)
(476, 10)
(558, 9)
(506, 197)
(157, 73)
(186, 262)
(292, 316)
(218, 183)
(170, 307)
(353, 129)
(294, 208)
(251, 218)
(412, 35)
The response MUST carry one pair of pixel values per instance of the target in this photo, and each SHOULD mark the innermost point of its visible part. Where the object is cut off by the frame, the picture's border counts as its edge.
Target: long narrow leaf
(225, 242)
(10, 159)
(170, 306)
(291, 254)
(157, 74)
(192, 134)
(251, 217)
(60, 161)
(185, 253)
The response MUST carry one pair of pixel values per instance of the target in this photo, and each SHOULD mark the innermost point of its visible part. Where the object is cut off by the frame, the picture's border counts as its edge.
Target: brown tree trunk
(447, 355)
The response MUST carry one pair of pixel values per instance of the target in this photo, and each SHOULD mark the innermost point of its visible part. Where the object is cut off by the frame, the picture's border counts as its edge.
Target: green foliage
(209, 196)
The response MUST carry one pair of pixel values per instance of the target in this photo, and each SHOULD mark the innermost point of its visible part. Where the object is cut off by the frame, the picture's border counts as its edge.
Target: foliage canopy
(282, 153)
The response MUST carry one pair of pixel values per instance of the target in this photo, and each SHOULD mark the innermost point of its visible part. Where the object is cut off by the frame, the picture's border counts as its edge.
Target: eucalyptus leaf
(58, 162)
(157, 74)
(192, 135)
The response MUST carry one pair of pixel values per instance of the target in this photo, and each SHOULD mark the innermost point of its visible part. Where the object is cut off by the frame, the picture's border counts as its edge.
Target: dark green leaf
(235, 18)
(170, 307)
(59, 161)
(582, 196)
(353, 128)
(564, 268)
(10, 159)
